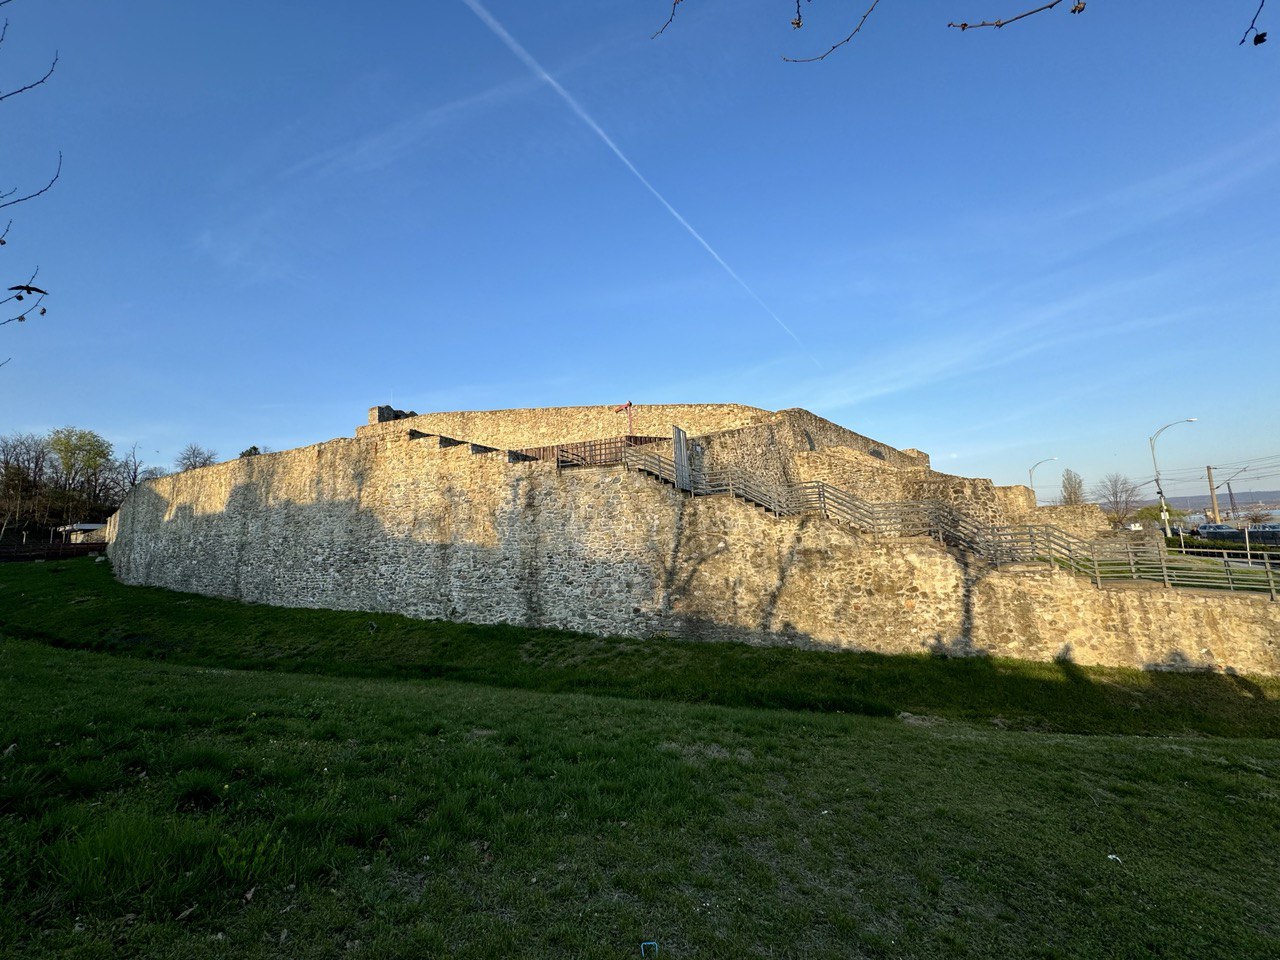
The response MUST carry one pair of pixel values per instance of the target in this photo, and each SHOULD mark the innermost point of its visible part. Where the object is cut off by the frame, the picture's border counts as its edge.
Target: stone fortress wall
(398, 520)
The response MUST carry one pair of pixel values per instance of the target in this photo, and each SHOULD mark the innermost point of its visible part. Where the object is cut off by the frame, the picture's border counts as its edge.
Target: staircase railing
(1099, 560)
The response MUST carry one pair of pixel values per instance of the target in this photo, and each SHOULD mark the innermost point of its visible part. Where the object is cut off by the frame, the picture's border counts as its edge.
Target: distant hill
(1268, 498)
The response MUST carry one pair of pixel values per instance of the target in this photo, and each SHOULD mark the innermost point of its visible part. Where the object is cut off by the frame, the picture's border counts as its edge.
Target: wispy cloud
(981, 343)
(382, 147)
(538, 70)
(1187, 187)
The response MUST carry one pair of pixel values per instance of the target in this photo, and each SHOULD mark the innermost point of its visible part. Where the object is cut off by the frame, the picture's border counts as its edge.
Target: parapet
(384, 414)
(519, 429)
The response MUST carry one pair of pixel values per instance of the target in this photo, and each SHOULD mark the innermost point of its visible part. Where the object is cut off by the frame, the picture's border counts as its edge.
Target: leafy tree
(194, 456)
(1117, 495)
(1151, 514)
(1072, 488)
(69, 476)
(82, 456)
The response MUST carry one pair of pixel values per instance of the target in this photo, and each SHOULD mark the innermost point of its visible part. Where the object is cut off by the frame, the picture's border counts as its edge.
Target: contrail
(527, 58)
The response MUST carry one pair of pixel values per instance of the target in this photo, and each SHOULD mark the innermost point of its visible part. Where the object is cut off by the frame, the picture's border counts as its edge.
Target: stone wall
(856, 472)
(385, 522)
(1085, 520)
(1047, 614)
(1017, 503)
(544, 426)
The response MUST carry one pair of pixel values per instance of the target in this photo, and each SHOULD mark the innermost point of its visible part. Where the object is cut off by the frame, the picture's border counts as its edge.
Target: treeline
(66, 476)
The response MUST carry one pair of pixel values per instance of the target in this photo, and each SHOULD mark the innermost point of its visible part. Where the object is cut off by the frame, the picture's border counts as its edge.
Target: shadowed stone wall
(385, 522)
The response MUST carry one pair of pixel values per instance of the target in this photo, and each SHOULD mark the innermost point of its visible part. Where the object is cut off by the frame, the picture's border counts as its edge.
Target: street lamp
(1031, 476)
(1164, 507)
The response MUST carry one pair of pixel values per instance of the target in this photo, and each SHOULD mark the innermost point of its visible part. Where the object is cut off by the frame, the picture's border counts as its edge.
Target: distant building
(83, 533)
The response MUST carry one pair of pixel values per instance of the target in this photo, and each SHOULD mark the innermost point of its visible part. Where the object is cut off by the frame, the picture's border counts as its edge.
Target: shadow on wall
(338, 554)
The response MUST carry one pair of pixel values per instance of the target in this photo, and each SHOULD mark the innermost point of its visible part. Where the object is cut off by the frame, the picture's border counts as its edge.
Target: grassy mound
(77, 604)
(560, 803)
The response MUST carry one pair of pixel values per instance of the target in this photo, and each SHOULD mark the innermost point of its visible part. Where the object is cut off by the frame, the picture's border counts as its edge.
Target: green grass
(550, 808)
(77, 604)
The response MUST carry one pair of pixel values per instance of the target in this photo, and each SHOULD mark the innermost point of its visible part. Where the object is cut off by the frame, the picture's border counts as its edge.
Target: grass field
(188, 777)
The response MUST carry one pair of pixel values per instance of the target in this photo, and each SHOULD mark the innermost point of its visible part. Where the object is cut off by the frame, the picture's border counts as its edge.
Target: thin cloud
(377, 150)
(537, 69)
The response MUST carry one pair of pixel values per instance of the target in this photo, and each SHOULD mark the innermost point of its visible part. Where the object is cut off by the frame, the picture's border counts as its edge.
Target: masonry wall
(544, 426)
(389, 523)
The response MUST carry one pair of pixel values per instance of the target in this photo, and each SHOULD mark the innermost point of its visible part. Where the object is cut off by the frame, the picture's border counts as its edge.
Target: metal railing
(49, 551)
(588, 453)
(1100, 560)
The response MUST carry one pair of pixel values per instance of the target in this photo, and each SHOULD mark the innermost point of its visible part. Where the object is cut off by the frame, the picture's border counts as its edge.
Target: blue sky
(995, 246)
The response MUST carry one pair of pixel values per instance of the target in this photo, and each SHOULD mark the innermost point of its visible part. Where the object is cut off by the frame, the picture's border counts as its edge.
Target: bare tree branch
(21, 317)
(837, 46)
(35, 307)
(1078, 8)
(1260, 37)
(661, 30)
(56, 174)
(14, 296)
(7, 227)
(49, 73)
(8, 358)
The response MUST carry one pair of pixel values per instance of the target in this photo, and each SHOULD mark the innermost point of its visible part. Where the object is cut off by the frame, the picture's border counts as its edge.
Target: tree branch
(49, 73)
(1077, 8)
(20, 317)
(56, 174)
(837, 46)
(1253, 27)
(661, 30)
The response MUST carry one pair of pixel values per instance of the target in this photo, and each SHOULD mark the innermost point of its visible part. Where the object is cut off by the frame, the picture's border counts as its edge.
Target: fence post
(1097, 574)
(1271, 577)
(1227, 564)
(1133, 569)
(1164, 565)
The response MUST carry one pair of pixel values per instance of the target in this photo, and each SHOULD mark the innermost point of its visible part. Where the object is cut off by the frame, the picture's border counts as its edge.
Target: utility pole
(1213, 496)
(1164, 505)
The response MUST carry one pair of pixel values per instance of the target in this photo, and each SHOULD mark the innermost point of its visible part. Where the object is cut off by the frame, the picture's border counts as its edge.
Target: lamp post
(1031, 476)
(1164, 507)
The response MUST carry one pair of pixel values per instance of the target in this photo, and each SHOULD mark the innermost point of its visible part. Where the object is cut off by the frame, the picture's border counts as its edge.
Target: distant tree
(71, 475)
(129, 471)
(1151, 514)
(82, 458)
(24, 464)
(1117, 495)
(193, 456)
(1072, 488)
(254, 451)
(1258, 514)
